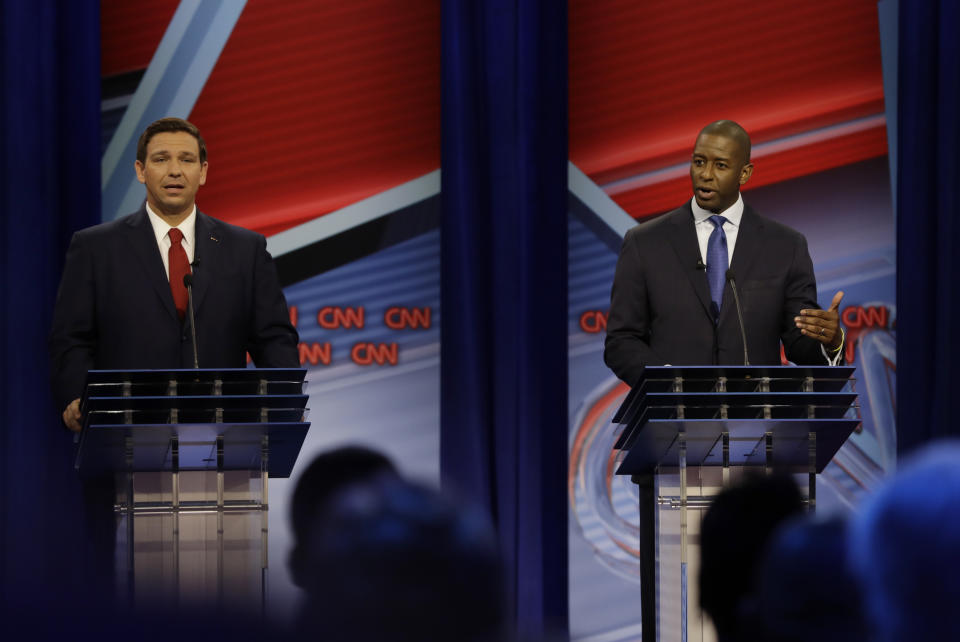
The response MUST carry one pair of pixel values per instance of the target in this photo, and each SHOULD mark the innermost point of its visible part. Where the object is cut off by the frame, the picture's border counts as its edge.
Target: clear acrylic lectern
(192, 452)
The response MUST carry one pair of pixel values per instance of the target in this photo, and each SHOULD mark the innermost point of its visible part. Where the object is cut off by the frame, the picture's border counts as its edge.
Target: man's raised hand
(823, 325)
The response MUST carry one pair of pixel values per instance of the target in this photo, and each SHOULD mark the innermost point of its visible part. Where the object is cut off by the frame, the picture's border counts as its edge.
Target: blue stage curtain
(504, 424)
(928, 223)
(50, 75)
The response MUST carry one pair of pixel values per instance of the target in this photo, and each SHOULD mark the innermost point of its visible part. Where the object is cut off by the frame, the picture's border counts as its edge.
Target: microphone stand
(188, 283)
(736, 300)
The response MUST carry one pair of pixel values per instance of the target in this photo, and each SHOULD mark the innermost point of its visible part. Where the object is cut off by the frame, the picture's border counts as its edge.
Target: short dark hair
(169, 125)
(328, 474)
(733, 535)
(402, 547)
(731, 130)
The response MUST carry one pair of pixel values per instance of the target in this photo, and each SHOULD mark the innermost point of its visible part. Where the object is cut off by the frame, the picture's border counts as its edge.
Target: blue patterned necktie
(717, 262)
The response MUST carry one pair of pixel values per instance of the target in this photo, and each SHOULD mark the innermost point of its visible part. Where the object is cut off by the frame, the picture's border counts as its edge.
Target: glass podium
(192, 452)
(685, 432)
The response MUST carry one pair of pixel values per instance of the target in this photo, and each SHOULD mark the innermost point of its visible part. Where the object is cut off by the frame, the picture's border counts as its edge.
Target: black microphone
(736, 299)
(701, 265)
(188, 283)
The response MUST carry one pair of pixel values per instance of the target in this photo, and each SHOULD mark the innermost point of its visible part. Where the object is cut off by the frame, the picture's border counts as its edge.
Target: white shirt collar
(161, 228)
(733, 214)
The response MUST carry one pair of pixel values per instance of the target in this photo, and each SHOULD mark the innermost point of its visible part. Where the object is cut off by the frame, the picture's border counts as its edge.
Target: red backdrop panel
(313, 106)
(646, 76)
(130, 33)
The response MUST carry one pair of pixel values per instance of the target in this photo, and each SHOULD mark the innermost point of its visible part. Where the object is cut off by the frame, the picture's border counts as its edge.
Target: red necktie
(179, 268)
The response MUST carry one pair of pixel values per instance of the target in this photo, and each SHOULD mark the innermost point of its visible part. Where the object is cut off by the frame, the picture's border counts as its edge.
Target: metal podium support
(193, 451)
(683, 422)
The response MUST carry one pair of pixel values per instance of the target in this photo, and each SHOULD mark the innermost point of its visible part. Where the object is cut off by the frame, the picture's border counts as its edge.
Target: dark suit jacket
(114, 309)
(660, 301)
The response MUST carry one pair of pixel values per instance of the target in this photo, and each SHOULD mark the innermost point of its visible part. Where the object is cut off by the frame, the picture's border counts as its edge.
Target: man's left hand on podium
(72, 418)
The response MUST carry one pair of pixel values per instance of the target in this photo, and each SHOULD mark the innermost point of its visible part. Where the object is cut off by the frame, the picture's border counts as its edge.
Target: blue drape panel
(928, 223)
(503, 286)
(50, 75)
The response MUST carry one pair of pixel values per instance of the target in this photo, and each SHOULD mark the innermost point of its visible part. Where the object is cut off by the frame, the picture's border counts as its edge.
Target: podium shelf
(121, 448)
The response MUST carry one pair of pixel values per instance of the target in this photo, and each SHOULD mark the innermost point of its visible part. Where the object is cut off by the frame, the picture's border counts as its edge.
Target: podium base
(193, 539)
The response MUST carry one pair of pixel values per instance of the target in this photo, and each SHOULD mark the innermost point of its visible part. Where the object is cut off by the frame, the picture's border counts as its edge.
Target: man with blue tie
(671, 301)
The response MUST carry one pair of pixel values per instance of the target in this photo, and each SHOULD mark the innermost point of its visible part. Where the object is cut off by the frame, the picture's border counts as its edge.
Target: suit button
(183, 338)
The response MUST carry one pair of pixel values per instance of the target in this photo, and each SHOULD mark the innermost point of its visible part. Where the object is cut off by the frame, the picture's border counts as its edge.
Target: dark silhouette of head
(905, 547)
(389, 559)
(806, 591)
(733, 534)
(328, 474)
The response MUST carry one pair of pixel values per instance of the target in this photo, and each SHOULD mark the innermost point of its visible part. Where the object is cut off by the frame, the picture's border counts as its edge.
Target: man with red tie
(122, 301)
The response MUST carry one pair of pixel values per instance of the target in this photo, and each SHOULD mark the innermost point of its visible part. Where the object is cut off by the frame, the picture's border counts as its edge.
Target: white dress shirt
(161, 230)
(734, 214)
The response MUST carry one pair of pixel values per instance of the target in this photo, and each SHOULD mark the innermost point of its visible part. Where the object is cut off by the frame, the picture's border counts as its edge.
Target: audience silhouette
(733, 534)
(805, 588)
(383, 558)
(905, 548)
(329, 473)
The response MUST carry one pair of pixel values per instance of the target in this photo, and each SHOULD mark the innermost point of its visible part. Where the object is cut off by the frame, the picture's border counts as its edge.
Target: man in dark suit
(672, 300)
(671, 303)
(122, 302)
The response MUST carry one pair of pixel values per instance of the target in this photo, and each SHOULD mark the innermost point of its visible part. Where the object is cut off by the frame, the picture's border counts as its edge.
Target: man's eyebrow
(725, 159)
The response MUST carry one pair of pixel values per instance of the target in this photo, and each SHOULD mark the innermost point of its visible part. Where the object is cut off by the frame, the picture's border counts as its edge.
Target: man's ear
(745, 173)
(138, 167)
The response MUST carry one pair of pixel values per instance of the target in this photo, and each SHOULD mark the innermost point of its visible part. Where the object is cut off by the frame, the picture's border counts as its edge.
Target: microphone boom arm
(736, 300)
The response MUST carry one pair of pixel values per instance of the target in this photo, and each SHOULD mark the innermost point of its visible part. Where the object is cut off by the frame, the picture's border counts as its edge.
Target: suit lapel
(749, 242)
(143, 242)
(683, 236)
(207, 238)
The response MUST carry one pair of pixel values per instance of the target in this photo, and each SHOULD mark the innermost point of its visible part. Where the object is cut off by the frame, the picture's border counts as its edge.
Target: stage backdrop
(323, 127)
